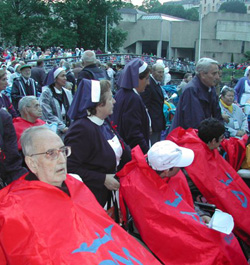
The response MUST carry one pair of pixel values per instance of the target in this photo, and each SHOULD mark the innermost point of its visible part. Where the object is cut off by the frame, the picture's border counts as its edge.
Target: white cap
(222, 222)
(166, 154)
(58, 71)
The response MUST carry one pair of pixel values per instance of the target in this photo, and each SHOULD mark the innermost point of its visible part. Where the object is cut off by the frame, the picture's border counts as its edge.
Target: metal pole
(169, 42)
(199, 54)
(106, 35)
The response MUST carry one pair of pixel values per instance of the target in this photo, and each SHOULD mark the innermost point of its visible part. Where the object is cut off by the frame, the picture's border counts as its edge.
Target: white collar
(25, 80)
(157, 82)
(96, 120)
(57, 90)
(136, 92)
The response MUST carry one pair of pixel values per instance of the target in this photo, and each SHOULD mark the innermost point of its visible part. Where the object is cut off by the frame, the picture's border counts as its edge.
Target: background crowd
(102, 112)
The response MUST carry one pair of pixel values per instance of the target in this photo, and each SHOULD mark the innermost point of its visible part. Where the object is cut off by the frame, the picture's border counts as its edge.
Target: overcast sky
(139, 2)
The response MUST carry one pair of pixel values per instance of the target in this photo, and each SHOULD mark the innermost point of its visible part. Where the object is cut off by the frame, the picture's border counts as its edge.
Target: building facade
(222, 35)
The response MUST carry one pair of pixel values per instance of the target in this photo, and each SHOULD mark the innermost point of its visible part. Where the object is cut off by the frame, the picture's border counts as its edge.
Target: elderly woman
(97, 149)
(130, 113)
(235, 120)
(242, 88)
(4, 100)
(55, 101)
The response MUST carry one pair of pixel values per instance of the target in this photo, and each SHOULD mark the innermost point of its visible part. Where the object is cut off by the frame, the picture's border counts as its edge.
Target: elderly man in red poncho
(49, 217)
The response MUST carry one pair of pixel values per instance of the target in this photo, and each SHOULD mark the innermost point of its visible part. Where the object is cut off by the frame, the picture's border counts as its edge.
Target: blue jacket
(195, 105)
(132, 119)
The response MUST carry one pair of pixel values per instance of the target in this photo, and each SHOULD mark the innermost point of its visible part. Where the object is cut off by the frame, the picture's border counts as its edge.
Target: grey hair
(203, 65)
(28, 137)
(25, 102)
(66, 66)
(89, 57)
(226, 89)
(156, 66)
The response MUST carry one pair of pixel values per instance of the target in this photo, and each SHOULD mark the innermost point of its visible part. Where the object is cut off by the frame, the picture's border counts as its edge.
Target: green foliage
(71, 23)
(192, 14)
(177, 11)
(232, 58)
(227, 74)
(21, 21)
(149, 5)
(234, 7)
(247, 55)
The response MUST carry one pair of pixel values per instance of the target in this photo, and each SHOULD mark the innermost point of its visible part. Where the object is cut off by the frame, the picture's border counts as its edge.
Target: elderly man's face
(26, 72)
(211, 78)
(51, 171)
(34, 109)
(158, 73)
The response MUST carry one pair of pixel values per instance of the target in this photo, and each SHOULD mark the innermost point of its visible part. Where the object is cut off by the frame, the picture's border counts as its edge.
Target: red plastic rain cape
(217, 180)
(40, 224)
(235, 150)
(167, 222)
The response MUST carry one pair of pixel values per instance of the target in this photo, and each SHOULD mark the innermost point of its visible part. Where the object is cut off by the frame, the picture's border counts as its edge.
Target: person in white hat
(166, 158)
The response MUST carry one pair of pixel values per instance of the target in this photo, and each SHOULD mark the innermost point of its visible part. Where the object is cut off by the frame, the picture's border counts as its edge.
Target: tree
(85, 21)
(149, 5)
(234, 7)
(70, 22)
(177, 11)
(192, 14)
(247, 55)
(23, 21)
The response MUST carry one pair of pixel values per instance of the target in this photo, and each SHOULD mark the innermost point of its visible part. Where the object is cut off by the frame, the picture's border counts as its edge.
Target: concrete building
(222, 34)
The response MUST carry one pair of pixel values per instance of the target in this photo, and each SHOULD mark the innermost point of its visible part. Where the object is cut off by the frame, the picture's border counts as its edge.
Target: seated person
(235, 119)
(167, 158)
(4, 99)
(23, 86)
(160, 202)
(30, 111)
(49, 217)
(213, 176)
(187, 77)
(10, 159)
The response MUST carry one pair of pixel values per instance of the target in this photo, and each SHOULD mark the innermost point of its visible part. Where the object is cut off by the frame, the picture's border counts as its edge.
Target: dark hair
(105, 87)
(39, 62)
(145, 73)
(187, 75)
(209, 129)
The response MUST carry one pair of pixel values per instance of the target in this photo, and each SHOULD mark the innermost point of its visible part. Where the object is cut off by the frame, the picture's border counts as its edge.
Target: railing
(114, 58)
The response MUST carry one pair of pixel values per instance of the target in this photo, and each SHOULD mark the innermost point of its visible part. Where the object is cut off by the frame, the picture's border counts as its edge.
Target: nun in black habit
(97, 149)
(130, 113)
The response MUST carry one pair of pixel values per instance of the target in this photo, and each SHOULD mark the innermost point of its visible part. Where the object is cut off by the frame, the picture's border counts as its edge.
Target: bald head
(158, 72)
(34, 137)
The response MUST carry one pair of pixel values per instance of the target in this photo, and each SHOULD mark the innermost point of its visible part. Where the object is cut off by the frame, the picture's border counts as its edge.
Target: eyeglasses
(53, 154)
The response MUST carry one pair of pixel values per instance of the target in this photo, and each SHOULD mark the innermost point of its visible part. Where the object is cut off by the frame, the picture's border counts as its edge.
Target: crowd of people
(75, 139)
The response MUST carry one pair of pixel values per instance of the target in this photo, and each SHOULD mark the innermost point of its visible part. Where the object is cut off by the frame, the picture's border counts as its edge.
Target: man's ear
(31, 163)
(202, 75)
(212, 143)
(25, 110)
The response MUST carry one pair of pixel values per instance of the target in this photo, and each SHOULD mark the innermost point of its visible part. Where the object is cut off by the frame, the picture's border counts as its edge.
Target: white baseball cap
(166, 154)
